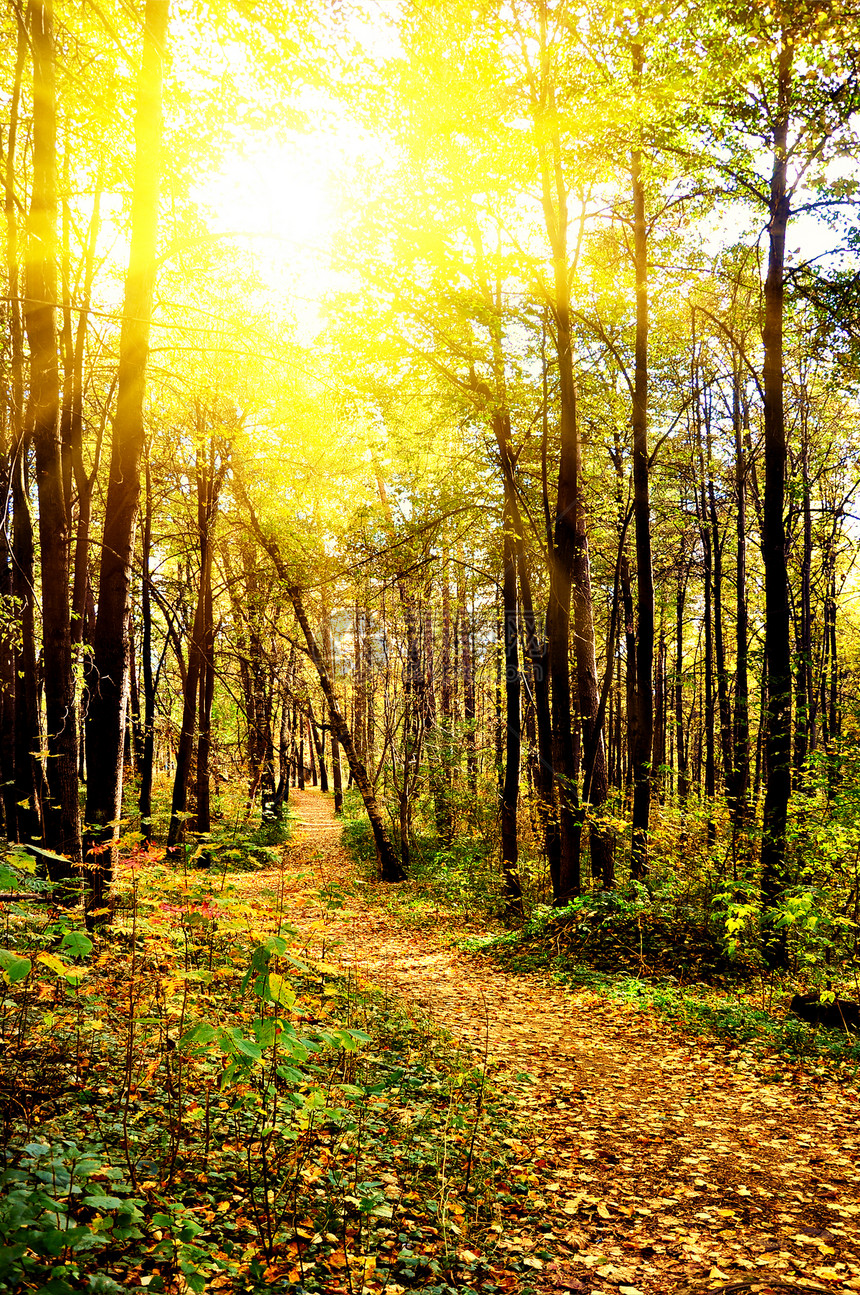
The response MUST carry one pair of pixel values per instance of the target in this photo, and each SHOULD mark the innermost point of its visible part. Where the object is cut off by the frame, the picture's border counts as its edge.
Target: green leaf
(291, 1075)
(14, 967)
(232, 1041)
(76, 944)
(100, 1202)
(101, 1284)
(202, 1032)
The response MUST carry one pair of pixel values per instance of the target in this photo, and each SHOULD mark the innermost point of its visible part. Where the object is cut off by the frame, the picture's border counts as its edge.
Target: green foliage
(239, 1101)
(462, 876)
(55, 1214)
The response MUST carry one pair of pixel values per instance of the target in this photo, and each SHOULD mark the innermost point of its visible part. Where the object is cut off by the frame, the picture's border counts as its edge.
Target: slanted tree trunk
(61, 815)
(106, 717)
(390, 868)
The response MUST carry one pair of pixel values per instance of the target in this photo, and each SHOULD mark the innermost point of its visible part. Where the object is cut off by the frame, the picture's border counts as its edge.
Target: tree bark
(389, 865)
(741, 739)
(777, 754)
(23, 798)
(199, 679)
(148, 761)
(511, 783)
(106, 718)
(61, 814)
(643, 728)
(680, 743)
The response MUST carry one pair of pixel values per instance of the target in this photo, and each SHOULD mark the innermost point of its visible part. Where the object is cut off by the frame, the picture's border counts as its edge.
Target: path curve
(663, 1162)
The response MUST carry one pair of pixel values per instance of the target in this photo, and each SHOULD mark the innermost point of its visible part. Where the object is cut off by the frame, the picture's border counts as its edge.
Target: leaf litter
(640, 1160)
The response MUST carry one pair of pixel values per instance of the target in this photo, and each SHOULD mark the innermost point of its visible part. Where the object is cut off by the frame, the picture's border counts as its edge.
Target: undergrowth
(630, 950)
(679, 948)
(190, 1102)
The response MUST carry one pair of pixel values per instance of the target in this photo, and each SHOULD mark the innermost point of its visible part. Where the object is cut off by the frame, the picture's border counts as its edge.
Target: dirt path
(661, 1162)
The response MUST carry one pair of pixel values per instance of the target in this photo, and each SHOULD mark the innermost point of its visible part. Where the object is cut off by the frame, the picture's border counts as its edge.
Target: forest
(446, 412)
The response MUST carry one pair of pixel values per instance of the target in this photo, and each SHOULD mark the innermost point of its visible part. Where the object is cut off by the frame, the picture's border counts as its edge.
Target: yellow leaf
(827, 1274)
(53, 963)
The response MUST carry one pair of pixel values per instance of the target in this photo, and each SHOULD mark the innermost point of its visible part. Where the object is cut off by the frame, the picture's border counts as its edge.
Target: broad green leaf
(98, 1201)
(202, 1032)
(76, 944)
(14, 967)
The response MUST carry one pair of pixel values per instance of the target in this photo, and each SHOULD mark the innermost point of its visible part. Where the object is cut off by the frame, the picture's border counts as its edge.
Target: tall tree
(106, 718)
(62, 821)
(643, 726)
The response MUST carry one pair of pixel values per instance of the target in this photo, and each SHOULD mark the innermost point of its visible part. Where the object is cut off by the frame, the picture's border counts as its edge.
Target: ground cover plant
(191, 1103)
(687, 945)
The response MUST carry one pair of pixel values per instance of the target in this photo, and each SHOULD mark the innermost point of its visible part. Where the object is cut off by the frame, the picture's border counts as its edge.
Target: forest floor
(658, 1162)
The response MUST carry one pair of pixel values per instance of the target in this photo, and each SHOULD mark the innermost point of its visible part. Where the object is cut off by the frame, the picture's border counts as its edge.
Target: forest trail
(661, 1162)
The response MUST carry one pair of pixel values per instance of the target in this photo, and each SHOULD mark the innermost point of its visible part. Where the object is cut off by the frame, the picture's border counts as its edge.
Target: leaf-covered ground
(642, 1160)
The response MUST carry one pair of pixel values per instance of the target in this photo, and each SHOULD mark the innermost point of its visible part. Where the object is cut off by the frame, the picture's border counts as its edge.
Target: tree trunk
(805, 703)
(708, 665)
(680, 743)
(148, 761)
(467, 657)
(630, 662)
(207, 678)
(199, 680)
(741, 762)
(643, 728)
(511, 782)
(570, 573)
(389, 865)
(23, 799)
(106, 718)
(318, 736)
(777, 620)
(61, 815)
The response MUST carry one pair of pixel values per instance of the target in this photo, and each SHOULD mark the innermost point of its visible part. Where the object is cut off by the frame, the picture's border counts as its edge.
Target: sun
(277, 199)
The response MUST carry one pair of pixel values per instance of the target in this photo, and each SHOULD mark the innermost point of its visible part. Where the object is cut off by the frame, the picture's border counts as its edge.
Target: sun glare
(278, 199)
